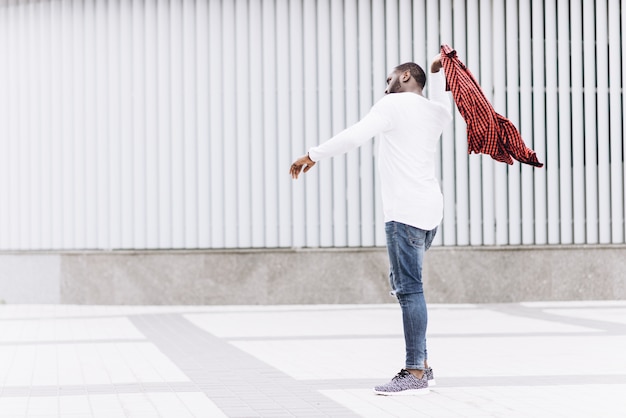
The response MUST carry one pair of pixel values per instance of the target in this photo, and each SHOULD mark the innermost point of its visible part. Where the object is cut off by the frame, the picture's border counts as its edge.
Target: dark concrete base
(242, 277)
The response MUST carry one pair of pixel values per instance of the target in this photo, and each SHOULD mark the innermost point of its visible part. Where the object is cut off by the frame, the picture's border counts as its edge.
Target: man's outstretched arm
(354, 136)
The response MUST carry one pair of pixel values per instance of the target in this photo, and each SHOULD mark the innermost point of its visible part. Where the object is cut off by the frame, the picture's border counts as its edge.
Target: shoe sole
(408, 392)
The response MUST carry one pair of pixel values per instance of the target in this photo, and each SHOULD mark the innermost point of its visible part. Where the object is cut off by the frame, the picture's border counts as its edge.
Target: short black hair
(416, 72)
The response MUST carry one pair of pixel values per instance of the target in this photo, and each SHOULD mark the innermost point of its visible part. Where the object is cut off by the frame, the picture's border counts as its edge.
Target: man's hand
(297, 166)
(436, 65)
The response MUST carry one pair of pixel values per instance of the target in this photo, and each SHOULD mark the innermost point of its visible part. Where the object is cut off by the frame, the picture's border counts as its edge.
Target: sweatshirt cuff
(313, 155)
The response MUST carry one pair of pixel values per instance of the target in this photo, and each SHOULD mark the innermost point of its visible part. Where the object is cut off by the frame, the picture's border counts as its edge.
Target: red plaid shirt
(487, 131)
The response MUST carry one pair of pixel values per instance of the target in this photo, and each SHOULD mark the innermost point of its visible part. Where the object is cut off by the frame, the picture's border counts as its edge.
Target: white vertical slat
(565, 120)
(433, 46)
(311, 137)
(5, 204)
(164, 125)
(257, 180)
(539, 121)
(325, 114)
(90, 136)
(177, 133)
(352, 116)
(285, 154)
(45, 100)
(604, 170)
(203, 127)
(392, 34)
(589, 80)
(339, 123)
(150, 73)
(126, 143)
(616, 113)
(56, 138)
(405, 40)
(139, 174)
(447, 229)
(367, 215)
(623, 63)
(474, 162)
(34, 190)
(460, 131)
(4, 167)
(512, 112)
(578, 138)
(12, 163)
(17, 179)
(379, 75)
(23, 127)
(273, 167)
(190, 125)
(217, 143)
(296, 67)
(78, 123)
(486, 80)
(113, 120)
(552, 127)
(242, 174)
(526, 120)
(24, 146)
(229, 73)
(499, 103)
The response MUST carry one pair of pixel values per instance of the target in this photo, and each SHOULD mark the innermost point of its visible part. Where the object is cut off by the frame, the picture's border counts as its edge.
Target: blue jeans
(406, 246)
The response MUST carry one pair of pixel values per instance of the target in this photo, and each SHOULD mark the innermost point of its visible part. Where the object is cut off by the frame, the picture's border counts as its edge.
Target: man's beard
(395, 87)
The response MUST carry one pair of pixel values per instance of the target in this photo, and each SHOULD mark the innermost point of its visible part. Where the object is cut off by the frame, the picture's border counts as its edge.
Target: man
(411, 126)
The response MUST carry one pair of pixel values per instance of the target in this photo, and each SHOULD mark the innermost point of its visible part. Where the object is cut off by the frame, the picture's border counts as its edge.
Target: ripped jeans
(406, 246)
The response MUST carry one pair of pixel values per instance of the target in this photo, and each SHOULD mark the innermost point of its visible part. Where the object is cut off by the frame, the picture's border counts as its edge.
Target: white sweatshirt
(411, 126)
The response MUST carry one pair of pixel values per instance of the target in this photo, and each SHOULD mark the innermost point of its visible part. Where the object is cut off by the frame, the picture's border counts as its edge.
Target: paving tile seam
(520, 311)
(232, 309)
(349, 384)
(87, 389)
(65, 342)
(598, 333)
(210, 309)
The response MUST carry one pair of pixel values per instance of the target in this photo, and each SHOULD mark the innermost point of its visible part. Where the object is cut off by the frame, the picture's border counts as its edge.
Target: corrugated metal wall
(172, 124)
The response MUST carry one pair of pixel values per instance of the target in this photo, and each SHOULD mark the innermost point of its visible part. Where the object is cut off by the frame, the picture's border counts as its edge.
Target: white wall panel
(499, 104)
(526, 120)
(565, 121)
(474, 164)
(461, 179)
(578, 127)
(488, 166)
(514, 213)
(160, 124)
(616, 117)
(604, 166)
(552, 124)
(539, 123)
(367, 163)
(591, 139)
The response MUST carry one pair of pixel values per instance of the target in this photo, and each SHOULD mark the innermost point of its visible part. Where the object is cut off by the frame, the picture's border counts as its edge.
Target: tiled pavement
(564, 359)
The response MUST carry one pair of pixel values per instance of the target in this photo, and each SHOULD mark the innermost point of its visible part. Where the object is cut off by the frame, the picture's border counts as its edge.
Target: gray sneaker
(430, 377)
(404, 384)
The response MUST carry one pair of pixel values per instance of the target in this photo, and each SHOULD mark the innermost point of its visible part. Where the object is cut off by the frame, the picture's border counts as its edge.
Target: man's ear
(406, 76)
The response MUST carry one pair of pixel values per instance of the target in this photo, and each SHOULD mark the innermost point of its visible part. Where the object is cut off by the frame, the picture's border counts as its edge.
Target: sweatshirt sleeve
(437, 90)
(356, 135)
